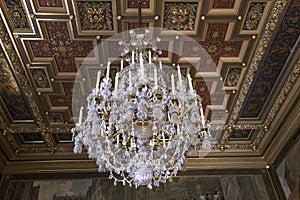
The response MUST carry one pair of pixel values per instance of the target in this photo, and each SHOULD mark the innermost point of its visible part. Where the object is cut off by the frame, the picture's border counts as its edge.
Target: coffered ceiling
(250, 96)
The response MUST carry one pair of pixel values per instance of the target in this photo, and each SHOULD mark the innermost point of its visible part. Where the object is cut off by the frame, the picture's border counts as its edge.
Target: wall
(191, 185)
(288, 172)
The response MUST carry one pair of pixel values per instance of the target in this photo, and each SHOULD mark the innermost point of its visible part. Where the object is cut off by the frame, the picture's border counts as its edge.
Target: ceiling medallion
(140, 126)
(96, 15)
(180, 16)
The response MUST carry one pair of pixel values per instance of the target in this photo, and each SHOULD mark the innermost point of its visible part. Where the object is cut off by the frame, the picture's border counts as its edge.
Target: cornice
(50, 129)
(285, 130)
(74, 166)
(66, 166)
(226, 163)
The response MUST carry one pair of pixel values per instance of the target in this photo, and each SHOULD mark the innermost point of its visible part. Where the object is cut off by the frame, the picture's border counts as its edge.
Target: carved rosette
(96, 15)
(254, 15)
(180, 16)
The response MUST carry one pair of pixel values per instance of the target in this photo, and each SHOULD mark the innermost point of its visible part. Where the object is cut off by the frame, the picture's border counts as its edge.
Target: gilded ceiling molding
(48, 139)
(17, 14)
(242, 146)
(47, 136)
(224, 160)
(12, 141)
(290, 81)
(19, 72)
(49, 129)
(16, 107)
(274, 65)
(264, 42)
(51, 150)
(3, 125)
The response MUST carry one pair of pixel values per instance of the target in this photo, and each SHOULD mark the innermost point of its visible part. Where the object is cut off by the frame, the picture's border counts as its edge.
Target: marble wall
(289, 173)
(244, 188)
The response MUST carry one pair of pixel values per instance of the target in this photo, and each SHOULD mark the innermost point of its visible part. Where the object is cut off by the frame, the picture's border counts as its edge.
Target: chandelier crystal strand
(141, 129)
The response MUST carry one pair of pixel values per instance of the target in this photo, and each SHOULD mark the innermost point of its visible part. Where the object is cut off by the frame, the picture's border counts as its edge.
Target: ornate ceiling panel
(13, 102)
(275, 63)
(254, 45)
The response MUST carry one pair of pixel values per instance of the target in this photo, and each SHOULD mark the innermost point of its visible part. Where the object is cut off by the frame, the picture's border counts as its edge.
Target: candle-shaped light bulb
(132, 56)
(142, 65)
(202, 115)
(150, 61)
(190, 84)
(122, 64)
(164, 139)
(179, 76)
(173, 83)
(160, 65)
(155, 79)
(98, 81)
(129, 80)
(118, 140)
(107, 70)
(152, 143)
(116, 83)
(80, 115)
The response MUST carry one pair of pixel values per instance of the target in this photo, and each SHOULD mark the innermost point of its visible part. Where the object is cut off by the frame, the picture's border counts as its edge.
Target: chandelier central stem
(140, 13)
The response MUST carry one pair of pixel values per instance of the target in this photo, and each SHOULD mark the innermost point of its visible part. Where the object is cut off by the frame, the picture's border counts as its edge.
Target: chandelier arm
(122, 147)
(114, 135)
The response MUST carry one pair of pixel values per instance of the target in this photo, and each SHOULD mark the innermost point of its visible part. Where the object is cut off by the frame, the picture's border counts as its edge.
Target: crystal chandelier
(140, 127)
